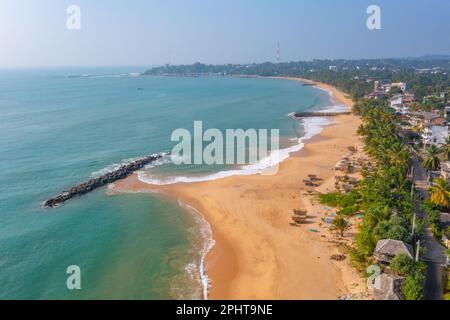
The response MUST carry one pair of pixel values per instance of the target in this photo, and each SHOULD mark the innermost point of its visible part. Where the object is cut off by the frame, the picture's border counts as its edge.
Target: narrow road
(435, 256)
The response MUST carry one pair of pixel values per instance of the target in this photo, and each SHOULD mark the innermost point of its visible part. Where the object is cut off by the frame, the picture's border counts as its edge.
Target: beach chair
(300, 213)
(300, 216)
(309, 183)
(299, 219)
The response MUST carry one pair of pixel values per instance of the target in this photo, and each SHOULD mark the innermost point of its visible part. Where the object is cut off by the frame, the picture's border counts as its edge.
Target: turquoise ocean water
(57, 130)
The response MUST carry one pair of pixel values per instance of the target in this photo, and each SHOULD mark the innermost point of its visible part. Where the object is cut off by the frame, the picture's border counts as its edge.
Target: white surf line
(209, 243)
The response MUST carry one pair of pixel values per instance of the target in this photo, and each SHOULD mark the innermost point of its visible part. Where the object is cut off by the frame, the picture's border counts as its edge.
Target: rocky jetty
(319, 114)
(121, 173)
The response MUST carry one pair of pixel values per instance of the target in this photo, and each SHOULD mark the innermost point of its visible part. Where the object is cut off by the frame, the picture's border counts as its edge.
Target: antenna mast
(278, 52)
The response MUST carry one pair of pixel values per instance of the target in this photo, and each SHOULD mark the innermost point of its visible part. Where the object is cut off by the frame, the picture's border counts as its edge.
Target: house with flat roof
(396, 101)
(422, 119)
(434, 135)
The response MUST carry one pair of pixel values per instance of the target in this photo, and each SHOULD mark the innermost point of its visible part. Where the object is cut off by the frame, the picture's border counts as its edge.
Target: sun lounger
(301, 213)
(299, 220)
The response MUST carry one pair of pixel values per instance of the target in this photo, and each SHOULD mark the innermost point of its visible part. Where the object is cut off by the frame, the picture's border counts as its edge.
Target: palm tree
(431, 159)
(399, 155)
(445, 149)
(440, 193)
(340, 224)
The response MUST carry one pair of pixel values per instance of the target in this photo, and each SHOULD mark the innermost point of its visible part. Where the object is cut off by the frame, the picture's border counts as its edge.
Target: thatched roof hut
(389, 287)
(387, 249)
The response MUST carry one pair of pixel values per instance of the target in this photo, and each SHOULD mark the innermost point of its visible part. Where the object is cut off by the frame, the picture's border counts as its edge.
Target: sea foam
(311, 126)
(165, 158)
(207, 244)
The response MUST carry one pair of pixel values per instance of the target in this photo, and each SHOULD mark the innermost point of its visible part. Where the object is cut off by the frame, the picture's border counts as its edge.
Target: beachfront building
(387, 249)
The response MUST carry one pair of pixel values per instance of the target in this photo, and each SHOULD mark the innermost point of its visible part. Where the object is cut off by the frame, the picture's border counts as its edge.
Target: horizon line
(444, 56)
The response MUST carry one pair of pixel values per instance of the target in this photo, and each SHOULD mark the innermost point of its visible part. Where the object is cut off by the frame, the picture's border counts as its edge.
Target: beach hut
(387, 249)
(389, 287)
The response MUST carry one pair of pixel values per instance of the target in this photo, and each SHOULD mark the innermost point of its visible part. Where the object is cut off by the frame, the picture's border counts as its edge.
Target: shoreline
(337, 96)
(254, 253)
(208, 245)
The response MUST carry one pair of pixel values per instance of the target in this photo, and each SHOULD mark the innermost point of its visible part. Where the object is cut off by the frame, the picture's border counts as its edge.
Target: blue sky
(152, 32)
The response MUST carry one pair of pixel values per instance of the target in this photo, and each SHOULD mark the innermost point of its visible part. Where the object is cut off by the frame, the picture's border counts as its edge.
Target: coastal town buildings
(383, 88)
(431, 127)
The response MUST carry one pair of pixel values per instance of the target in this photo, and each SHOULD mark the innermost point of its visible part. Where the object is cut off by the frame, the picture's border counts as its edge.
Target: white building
(398, 106)
(435, 135)
(427, 136)
(396, 101)
(401, 85)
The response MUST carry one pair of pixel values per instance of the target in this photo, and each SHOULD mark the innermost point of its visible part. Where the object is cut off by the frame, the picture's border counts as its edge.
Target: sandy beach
(258, 254)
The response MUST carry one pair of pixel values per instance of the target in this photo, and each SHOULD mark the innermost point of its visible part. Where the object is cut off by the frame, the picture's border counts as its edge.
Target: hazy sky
(151, 32)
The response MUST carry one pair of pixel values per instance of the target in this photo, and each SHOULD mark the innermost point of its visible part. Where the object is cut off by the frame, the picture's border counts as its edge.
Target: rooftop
(425, 115)
(445, 166)
(392, 248)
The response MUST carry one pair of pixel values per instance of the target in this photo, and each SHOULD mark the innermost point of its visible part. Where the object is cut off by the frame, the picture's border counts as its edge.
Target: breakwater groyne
(110, 177)
(320, 114)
